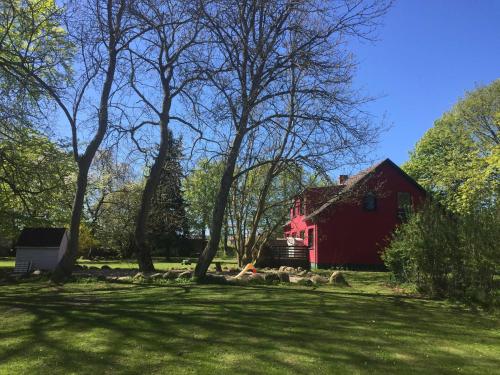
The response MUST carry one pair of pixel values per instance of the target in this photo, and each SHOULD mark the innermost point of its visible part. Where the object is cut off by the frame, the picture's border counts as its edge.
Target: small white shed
(40, 248)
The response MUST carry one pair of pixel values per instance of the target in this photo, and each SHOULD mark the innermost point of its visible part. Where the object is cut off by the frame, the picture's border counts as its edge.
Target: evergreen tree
(168, 223)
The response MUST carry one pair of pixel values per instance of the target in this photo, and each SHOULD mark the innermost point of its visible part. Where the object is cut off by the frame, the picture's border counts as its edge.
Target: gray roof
(356, 180)
(41, 237)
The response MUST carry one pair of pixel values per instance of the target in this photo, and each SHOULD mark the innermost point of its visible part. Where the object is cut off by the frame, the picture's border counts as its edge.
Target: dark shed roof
(41, 237)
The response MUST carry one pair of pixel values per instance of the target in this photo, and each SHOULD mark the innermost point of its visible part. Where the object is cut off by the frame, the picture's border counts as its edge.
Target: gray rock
(138, 275)
(271, 277)
(185, 275)
(284, 277)
(302, 273)
(337, 278)
(156, 275)
(186, 262)
(282, 268)
(317, 280)
(170, 275)
(300, 269)
(124, 278)
(255, 278)
(36, 273)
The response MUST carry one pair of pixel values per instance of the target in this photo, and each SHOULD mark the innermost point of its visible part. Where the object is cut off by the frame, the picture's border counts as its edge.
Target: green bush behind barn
(447, 255)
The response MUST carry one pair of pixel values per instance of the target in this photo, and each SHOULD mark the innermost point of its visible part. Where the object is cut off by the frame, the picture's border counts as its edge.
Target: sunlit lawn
(111, 328)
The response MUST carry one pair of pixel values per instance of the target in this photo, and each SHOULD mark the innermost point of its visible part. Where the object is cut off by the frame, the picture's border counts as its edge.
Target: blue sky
(427, 55)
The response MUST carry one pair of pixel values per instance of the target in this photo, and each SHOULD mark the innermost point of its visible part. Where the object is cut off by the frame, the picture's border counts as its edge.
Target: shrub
(86, 241)
(446, 255)
(476, 263)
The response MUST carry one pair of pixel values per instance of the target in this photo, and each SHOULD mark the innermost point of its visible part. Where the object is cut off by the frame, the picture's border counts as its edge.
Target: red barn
(348, 224)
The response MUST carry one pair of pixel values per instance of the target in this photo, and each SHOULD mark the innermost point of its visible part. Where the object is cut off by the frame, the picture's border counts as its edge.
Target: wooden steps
(22, 266)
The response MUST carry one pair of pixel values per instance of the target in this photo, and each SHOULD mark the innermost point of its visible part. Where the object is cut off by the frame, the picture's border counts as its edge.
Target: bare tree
(255, 45)
(163, 57)
(291, 144)
(96, 31)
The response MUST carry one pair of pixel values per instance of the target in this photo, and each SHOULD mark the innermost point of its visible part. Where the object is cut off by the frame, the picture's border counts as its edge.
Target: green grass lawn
(111, 328)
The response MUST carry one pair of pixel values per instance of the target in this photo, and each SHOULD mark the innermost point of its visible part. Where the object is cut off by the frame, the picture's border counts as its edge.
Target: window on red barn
(301, 207)
(302, 234)
(370, 201)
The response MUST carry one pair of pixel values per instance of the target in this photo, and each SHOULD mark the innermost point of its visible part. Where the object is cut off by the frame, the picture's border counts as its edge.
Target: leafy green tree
(200, 188)
(450, 247)
(32, 41)
(106, 176)
(36, 183)
(116, 221)
(36, 174)
(459, 158)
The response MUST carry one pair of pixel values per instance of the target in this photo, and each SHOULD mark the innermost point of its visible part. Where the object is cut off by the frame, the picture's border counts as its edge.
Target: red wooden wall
(346, 233)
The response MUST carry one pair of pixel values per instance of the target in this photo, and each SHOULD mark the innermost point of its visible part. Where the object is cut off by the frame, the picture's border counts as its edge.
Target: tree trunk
(210, 250)
(226, 235)
(240, 260)
(142, 247)
(65, 265)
